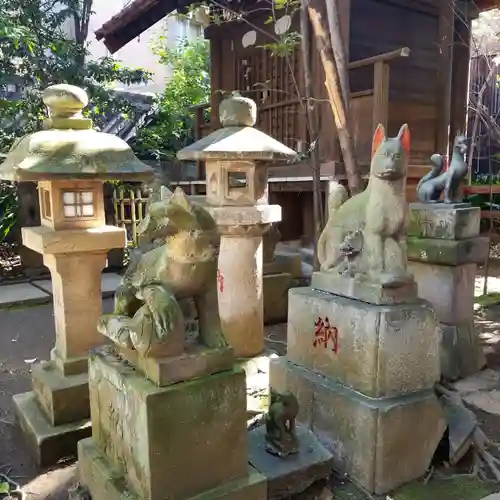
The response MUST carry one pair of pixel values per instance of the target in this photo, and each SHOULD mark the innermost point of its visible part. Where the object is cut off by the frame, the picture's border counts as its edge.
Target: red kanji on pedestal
(324, 333)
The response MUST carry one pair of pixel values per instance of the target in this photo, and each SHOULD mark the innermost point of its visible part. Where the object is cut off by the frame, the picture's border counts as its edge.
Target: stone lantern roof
(69, 148)
(237, 139)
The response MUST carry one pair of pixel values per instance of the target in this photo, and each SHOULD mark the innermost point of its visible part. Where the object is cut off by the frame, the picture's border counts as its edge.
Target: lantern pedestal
(55, 415)
(240, 278)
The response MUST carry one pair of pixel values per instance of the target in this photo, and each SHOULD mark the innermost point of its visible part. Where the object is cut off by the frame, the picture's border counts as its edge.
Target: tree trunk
(333, 87)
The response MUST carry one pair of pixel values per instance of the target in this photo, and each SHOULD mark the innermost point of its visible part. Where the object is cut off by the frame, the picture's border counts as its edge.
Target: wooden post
(443, 93)
(338, 47)
(380, 94)
(333, 87)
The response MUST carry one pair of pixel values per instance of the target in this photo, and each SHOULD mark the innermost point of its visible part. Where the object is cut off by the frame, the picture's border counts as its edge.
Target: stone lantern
(70, 162)
(236, 160)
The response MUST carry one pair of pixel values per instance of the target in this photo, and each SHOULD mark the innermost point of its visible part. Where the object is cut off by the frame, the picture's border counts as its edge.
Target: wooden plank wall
(379, 26)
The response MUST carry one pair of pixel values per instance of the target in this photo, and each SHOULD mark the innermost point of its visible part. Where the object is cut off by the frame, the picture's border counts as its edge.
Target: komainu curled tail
(429, 192)
(337, 197)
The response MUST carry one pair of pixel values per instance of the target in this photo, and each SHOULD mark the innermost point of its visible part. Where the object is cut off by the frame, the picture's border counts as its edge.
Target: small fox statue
(380, 213)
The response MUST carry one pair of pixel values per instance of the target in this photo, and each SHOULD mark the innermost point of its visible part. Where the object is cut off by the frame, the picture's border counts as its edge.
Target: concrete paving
(26, 336)
(40, 291)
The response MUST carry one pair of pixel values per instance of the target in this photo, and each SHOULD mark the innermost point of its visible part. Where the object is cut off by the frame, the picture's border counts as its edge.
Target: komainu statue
(281, 436)
(447, 183)
(147, 316)
(365, 236)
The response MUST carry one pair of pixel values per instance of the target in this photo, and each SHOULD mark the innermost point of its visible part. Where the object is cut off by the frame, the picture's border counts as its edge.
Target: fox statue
(380, 213)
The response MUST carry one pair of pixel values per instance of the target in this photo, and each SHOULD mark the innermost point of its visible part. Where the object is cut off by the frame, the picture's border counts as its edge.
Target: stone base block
(361, 289)
(376, 350)
(450, 289)
(63, 399)
(47, 443)
(293, 474)
(196, 362)
(381, 443)
(108, 483)
(448, 252)
(157, 436)
(275, 290)
(440, 220)
(284, 263)
(461, 351)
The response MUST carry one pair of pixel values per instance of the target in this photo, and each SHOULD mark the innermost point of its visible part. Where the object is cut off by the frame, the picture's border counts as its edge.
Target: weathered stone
(195, 362)
(366, 436)
(362, 289)
(448, 252)
(48, 444)
(284, 263)
(63, 399)
(293, 474)
(275, 291)
(485, 380)
(445, 221)
(462, 349)
(450, 289)
(377, 350)
(156, 436)
(108, 484)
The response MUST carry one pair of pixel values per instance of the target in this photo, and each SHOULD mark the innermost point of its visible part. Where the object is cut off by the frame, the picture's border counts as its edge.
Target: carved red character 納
(324, 334)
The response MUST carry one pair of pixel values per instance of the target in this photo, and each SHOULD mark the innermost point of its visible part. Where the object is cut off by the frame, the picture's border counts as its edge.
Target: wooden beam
(380, 94)
(388, 56)
(446, 29)
(333, 87)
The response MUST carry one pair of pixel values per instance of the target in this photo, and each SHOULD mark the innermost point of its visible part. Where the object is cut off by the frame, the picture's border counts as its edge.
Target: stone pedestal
(179, 441)
(444, 248)
(280, 274)
(55, 415)
(363, 373)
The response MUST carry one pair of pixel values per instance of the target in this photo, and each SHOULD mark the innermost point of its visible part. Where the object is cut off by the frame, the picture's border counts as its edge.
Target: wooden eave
(140, 15)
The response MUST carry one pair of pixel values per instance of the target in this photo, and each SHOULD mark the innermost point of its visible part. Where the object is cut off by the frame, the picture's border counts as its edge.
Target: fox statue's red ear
(404, 137)
(378, 138)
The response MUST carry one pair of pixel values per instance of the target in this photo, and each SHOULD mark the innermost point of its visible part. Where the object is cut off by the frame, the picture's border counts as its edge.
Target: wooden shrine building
(409, 63)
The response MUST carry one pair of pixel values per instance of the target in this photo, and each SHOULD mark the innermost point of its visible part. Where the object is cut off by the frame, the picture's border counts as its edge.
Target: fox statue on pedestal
(378, 215)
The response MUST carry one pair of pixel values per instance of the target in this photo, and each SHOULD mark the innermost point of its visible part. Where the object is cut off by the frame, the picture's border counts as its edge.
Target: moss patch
(451, 488)
(489, 299)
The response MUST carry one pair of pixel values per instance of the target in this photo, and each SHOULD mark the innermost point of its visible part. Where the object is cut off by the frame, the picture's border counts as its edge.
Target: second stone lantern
(236, 160)
(70, 162)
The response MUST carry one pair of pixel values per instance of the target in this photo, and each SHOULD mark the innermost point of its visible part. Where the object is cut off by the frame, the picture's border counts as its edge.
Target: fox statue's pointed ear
(404, 137)
(378, 138)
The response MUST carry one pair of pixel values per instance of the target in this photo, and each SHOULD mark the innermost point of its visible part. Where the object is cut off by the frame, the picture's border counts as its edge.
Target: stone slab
(160, 435)
(462, 353)
(62, 399)
(275, 290)
(450, 289)
(45, 240)
(448, 252)
(366, 291)
(22, 294)
(376, 350)
(109, 284)
(196, 362)
(107, 483)
(284, 263)
(293, 474)
(381, 443)
(439, 220)
(48, 444)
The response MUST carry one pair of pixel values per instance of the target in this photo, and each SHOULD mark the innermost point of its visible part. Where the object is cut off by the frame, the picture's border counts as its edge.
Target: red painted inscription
(220, 280)
(325, 335)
